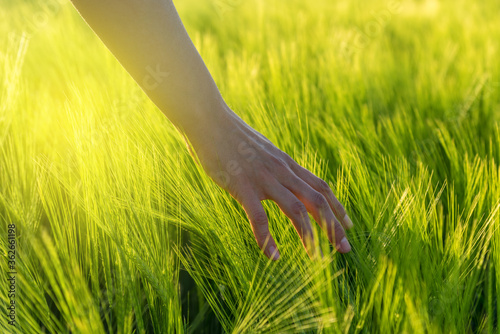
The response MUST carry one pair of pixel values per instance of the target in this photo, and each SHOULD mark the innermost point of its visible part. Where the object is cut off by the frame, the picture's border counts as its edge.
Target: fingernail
(273, 253)
(348, 222)
(345, 247)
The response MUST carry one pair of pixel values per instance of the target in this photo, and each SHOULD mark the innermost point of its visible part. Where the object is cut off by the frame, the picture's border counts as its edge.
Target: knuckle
(288, 159)
(260, 218)
(323, 186)
(278, 163)
(318, 200)
(298, 209)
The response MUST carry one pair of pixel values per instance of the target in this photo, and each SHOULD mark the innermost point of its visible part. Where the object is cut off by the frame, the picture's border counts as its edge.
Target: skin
(150, 41)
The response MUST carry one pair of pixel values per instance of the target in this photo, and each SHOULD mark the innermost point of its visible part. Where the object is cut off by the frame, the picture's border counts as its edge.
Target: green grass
(119, 231)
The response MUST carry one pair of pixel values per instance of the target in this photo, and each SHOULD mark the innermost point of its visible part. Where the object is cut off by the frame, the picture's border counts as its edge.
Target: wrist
(210, 123)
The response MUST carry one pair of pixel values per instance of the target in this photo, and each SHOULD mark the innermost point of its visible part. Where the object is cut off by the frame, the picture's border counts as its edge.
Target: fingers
(322, 187)
(294, 209)
(320, 209)
(260, 226)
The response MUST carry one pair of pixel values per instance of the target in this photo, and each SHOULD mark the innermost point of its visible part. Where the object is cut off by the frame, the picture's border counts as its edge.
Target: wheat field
(111, 227)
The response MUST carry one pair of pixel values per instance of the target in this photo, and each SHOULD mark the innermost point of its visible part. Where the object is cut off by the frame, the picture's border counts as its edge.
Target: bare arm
(149, 40)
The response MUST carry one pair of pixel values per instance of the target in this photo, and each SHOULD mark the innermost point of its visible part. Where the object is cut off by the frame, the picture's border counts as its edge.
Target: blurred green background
(395, 103)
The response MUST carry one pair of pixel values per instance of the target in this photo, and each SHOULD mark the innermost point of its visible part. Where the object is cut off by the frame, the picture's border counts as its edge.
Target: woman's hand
(247, 165)
(150, 41)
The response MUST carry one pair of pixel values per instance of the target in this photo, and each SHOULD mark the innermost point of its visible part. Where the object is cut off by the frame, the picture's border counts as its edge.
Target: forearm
(149, 40)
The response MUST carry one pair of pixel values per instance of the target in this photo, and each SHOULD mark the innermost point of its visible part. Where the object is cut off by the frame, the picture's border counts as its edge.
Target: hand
(150, 41)
(248, 166)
